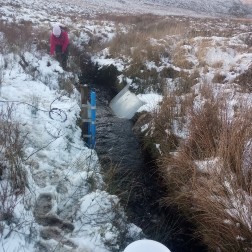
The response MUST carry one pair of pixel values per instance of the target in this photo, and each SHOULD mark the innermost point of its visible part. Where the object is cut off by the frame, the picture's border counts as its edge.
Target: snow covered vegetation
(192, 73)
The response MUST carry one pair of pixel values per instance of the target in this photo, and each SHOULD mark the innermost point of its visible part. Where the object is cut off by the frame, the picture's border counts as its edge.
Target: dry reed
(216, 198)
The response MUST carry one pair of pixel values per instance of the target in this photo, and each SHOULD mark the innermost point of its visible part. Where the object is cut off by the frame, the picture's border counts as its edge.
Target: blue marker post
(88, 116)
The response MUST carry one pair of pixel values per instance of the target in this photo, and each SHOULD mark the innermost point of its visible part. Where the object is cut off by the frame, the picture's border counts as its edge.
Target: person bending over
(59, 42)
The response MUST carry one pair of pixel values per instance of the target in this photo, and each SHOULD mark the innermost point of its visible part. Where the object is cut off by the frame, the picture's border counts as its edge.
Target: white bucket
(125, 104)
(146, 246)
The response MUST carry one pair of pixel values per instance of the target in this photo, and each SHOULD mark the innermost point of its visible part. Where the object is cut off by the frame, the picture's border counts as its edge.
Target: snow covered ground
(58, 166)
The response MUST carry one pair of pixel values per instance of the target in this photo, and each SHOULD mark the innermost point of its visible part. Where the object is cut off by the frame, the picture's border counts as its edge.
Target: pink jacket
(61, 40)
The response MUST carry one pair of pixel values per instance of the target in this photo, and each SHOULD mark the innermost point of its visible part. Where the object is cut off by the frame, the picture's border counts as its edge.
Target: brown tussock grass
(219, 77)
(148, 52)
(235, 148)
(203, 46)
(244, 79)
(162, 125)
(217, 64)
(172, 109)
(155, 25)
(19, 37)
(178, 172)
(180, 57)
(143, 28)
(185, 104)
(170, 28)
(222, 207)
(186, 80)
(11, 149)
(206, 91)
(176, 38)
(123, 42)
(204, 128)
(216, 227)
(216, 199)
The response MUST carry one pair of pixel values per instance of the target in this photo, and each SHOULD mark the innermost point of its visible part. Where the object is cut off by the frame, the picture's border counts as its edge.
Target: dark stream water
(136, 183)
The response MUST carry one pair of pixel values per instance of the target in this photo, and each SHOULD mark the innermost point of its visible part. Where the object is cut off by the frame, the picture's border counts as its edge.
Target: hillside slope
(161, 7)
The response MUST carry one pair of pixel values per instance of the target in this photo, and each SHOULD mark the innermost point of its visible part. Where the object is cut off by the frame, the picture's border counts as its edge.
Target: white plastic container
(146, 246)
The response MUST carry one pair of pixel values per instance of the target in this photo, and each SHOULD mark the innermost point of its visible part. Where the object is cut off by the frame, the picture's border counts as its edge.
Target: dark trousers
(62, 57)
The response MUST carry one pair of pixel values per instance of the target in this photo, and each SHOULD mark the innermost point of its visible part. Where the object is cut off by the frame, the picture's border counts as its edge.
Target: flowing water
(136, 182)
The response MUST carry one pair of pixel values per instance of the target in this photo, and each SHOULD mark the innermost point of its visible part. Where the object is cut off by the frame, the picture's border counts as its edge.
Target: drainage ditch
(133, 177)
